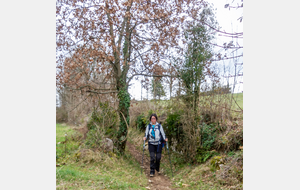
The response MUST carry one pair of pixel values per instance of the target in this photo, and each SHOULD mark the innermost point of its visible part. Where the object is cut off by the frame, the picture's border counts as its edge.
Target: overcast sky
(228, 21)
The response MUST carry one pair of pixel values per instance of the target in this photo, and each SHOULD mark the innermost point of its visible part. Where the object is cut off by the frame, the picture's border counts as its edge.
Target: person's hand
(144, 138)
(166, 140)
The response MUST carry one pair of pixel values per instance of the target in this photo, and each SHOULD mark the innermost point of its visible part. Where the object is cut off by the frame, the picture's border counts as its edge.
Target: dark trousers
(154, 160)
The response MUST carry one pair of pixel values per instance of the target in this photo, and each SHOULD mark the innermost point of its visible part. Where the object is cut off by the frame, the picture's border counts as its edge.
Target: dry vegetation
(218, 166)
(82, 167)
(213, 162)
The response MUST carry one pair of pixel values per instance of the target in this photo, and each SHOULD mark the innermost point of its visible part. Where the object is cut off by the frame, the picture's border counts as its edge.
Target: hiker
(156, 135)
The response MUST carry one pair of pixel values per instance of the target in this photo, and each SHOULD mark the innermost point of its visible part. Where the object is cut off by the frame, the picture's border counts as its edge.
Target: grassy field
(96, 170)
(65, 134)
(238, 99)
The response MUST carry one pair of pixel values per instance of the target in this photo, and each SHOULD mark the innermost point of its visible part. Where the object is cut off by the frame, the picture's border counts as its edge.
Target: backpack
(161, 139)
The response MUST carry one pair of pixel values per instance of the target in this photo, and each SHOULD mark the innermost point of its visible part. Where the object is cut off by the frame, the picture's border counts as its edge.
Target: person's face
(153, 119)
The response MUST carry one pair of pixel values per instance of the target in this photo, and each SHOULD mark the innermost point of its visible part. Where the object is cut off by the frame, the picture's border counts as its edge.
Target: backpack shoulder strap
(149, 126)
(159, 125)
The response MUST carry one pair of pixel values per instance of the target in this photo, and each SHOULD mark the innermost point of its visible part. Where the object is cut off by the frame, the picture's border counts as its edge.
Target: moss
(216, 161)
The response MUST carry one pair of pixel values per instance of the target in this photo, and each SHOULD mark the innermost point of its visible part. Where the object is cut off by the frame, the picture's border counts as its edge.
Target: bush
(208, 135)
(61, 115)
(102, 123)
(230, 140)
(173, 127)
(94, 138)
(203, 155)
(141, 122)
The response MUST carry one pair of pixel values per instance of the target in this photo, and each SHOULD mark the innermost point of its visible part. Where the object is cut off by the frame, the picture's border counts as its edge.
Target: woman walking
(155, 133)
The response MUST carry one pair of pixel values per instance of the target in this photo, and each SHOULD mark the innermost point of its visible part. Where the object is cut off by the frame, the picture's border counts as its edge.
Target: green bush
(203, 155)
(141, 122)
(208, 137)
(173, 127)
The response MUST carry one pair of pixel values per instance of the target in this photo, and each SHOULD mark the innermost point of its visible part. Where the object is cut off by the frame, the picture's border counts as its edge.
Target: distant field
(238, 97)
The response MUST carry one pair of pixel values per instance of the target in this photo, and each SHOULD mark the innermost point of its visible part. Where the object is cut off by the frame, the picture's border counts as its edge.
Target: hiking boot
(151, 175)
(158, 172)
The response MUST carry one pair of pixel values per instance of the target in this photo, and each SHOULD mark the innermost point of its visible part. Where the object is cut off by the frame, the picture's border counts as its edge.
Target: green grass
(96, 170)
(65, 144)
(239, 99)
(61, 130)
(95, 175)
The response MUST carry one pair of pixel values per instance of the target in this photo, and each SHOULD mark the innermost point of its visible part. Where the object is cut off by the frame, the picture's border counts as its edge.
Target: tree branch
(101, 92)
(227, 58)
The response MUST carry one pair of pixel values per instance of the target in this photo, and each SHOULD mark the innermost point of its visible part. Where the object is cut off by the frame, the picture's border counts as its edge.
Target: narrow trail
(158, 182)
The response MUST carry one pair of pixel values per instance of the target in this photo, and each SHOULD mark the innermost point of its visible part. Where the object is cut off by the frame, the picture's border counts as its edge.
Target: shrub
(94, 138)
(230, 140)
(203, 155)
(141, 122)
(102, 123)
(61, 115)
(173, 127)
(208, 135)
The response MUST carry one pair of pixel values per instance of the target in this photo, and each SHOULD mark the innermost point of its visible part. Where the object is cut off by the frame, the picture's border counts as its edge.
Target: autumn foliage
(102, 45)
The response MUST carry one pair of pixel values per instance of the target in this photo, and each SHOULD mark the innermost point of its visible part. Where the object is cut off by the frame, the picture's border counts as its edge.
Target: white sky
(228, 21)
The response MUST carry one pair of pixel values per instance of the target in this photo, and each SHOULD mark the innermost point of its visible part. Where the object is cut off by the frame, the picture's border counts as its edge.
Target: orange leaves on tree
(85, 33)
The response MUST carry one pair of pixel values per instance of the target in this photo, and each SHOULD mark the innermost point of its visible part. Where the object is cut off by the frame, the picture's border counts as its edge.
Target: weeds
(141, 122)
(84, 168)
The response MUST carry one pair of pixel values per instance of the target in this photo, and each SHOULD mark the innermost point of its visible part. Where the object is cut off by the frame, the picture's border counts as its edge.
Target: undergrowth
(84, 168)
(217, 170)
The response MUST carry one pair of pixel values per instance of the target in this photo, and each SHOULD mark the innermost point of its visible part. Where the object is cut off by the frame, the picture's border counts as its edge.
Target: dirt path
(158, 182)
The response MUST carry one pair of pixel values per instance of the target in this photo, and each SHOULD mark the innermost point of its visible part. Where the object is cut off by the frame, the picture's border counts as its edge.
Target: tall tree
(198, 54)
(157, 88)
(119, 38)
(172, 70)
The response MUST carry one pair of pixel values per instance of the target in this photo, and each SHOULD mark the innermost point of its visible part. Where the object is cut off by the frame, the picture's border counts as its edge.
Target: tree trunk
(154, 92)
(171, 84)
(124, 103)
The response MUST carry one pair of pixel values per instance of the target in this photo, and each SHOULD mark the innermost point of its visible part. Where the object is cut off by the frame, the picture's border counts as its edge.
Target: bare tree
(121, 38)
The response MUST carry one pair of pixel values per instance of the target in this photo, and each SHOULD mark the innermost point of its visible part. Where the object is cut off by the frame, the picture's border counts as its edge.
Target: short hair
(154, 116)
